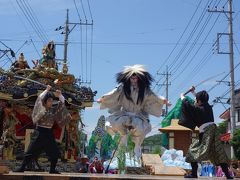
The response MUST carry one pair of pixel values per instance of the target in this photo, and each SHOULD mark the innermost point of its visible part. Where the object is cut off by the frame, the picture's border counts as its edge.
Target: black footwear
(19, 170)
(224, 167)
(190, 176)
(194, 171)
(54, 172)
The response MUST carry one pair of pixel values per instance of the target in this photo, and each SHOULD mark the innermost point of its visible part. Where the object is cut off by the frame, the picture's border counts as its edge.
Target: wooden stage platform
(79, 176)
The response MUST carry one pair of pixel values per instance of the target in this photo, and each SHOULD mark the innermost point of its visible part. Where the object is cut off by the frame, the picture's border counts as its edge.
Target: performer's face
(8, 110)
(49, 102)
(198, 102)
(134, 80)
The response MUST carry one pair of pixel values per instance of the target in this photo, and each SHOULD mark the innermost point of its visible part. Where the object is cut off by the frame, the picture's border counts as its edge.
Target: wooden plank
(151, 159)
(3, 169)
(156, 166)
(162, 170)
(79, 176)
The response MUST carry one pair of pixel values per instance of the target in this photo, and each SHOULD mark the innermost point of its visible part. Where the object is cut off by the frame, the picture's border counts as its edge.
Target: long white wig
(144, 80)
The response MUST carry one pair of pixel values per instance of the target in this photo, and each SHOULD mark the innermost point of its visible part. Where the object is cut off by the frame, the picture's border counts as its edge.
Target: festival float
(20, 86)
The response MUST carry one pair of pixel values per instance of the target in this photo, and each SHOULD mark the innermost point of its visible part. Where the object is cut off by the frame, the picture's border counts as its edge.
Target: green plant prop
(175, 113)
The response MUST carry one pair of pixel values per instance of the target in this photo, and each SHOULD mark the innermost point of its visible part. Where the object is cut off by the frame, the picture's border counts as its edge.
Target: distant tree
(222, 127)
(235, 142)
(157, 150)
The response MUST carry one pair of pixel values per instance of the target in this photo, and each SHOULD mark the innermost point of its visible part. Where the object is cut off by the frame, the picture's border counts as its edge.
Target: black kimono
(208, 146)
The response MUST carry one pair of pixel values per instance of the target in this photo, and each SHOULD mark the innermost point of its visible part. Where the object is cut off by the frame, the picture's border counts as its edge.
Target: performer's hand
(99, 100)
(168, 103)
(58, 93)
(48, 87)
(192, 89)
(57, 82)
(182, 96)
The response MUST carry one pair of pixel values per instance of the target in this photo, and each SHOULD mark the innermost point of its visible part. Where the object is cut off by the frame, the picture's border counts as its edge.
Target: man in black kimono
(44, 115)
(208, 146)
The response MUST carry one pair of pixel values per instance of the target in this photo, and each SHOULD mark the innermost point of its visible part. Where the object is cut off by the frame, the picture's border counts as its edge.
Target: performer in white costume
(130, 105)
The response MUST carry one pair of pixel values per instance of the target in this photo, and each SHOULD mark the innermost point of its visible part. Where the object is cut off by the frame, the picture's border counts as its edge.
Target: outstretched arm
(39, 110)
(111, 99)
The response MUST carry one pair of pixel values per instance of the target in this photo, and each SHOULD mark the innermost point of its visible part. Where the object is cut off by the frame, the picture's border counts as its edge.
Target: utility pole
(66, 39)
(231, 59)
(167, 84)
(232, 93)
(167, 74)
(67, 31)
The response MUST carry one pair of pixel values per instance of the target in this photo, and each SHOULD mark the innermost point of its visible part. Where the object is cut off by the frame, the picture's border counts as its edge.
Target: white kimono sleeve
(153, 104)
(39, 110)
(111, 100)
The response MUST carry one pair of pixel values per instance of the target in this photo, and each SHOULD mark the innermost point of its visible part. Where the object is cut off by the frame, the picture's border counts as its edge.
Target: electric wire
(83, 10)
(193, 57)
(81, 56)
(189, 37)
(90, 10)
(42, 30)
(30, 22)
(166, 60)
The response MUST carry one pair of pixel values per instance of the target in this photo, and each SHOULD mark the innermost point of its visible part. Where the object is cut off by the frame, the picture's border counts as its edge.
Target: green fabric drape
(175, 113)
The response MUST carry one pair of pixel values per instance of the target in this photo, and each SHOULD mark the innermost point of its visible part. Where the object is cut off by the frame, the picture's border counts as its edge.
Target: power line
(28, 17)
(224, 77)
(86, 48)
(90, 10)
(80, 20)
(196, 69)
(36, 20)
(204, 59)
(190, 49)
(66, 42)
(35, 48)
(91, 52)
(91, 46)
(83, 10)
(202, 63)
(225, 93)
(167, 74)
(195, 41)
(81, 46)
(165, 61)
(189, 38)
(75, 4)
(22, 46)
(31, 18)
(193, 57)
(116, 43)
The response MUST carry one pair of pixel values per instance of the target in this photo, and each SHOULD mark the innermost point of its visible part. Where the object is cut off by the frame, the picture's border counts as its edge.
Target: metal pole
(66, 38)
(167, 89)
(232, 85)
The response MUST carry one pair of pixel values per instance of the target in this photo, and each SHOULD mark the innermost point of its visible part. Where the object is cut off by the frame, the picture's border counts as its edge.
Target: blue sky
(131, 32)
